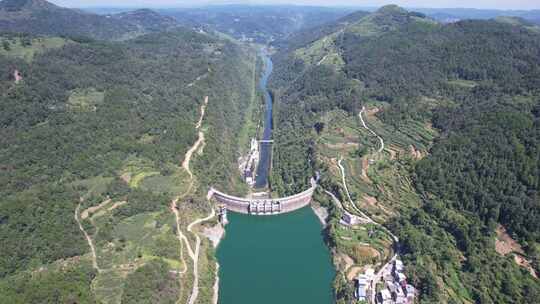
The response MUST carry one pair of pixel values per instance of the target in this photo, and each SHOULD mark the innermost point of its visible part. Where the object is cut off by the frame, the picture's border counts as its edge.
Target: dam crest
(264, 206)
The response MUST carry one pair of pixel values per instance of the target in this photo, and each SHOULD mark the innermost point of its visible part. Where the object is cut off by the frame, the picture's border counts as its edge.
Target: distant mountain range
(455, 14)
(257, 23)
(44, 18)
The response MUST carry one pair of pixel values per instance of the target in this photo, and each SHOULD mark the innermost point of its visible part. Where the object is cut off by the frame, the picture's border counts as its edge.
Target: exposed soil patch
(342, 145)
(344, 260)
(126, 177)
(523, 262)
(370, 200)
(504, 244)
(17, 76)
(322, 214)
(416, 154)
(86, 213)
(353, 273)
(117, 205)
(365, 168)
(372, 112)
(214, 234)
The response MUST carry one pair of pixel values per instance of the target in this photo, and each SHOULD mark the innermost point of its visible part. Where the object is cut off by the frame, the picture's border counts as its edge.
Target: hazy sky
(497, 4)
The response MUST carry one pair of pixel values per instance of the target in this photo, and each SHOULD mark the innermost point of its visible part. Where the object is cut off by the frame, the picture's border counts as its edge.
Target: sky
(491, 4)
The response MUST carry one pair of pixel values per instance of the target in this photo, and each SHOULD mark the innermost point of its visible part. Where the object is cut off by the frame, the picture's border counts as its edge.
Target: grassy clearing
(322, 51)
(26, 48)
(85, 100)
(143, 173)
(463, 83)
(175, 184)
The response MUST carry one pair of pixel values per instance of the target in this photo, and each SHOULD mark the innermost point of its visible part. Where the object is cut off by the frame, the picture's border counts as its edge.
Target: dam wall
(262, 206)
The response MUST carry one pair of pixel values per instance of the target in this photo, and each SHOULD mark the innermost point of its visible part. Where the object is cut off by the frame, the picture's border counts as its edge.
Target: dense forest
(482, 80)
(85, 114)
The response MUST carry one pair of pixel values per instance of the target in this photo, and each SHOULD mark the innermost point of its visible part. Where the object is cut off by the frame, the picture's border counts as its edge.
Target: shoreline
(321, 213)
(215, 234)
(215, 298)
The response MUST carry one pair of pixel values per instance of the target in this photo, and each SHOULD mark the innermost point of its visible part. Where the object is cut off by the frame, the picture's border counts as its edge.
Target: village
(394, 288)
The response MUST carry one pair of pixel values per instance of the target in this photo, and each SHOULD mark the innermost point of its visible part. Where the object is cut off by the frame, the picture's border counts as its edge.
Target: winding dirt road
(381, 148)
(195, 257)
(88, 238)
(353, 205)
(193, 254)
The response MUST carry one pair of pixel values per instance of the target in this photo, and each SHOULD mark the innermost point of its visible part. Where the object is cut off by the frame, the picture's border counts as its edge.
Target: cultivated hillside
(457, 107)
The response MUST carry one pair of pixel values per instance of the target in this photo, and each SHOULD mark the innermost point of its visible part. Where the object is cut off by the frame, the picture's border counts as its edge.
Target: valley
(413, 136)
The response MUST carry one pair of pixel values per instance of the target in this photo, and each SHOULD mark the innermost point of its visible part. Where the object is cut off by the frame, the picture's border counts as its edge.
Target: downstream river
(278, 259)
(263, 168)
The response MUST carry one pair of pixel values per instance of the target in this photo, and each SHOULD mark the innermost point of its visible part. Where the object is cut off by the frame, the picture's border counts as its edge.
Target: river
(274, 259)
(265, 159)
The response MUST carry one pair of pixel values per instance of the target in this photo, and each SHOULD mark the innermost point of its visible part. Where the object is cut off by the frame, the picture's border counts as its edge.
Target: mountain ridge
(41, 17)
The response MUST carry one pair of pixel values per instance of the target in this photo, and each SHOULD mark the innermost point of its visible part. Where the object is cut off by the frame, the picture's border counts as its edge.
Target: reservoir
(275, 259)
(279, 259)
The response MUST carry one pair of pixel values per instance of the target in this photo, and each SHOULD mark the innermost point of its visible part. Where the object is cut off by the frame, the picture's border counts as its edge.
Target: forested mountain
(477, 83)
(146, 20)
(40, 17)
(260, 23)
(455, 14)
(85, 123)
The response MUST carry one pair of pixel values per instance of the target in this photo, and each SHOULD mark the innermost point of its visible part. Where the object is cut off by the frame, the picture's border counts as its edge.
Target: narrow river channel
(274, 259)
(263, 169)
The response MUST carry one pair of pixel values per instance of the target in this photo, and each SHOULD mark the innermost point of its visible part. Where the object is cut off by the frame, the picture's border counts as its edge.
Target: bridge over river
(264, 206)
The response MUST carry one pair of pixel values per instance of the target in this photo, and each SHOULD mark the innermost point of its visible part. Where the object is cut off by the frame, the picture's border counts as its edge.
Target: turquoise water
(275, 260)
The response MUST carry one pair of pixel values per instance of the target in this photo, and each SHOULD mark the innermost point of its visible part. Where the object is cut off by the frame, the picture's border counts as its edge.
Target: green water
(275, 260)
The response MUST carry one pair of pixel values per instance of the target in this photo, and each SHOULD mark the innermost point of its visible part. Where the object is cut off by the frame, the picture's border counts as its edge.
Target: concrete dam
(260, 206)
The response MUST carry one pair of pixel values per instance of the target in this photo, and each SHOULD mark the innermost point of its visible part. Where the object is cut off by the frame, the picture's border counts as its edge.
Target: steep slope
(40, 17)
(456, 105)
(105, 126)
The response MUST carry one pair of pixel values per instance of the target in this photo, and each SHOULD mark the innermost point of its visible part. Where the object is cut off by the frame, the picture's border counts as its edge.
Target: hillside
(146, 20)
(39, 17)
(456, 105)
(95, 139)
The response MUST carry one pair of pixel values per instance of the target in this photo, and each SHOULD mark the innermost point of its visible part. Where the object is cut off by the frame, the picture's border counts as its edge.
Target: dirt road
(381, 148)
(88, 239)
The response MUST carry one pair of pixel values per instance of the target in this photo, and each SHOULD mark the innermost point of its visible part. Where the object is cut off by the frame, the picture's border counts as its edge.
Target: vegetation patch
(27, 48)
(85, 100)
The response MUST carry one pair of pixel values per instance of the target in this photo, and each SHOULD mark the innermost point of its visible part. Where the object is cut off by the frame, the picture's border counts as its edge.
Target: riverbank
(321, 213)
